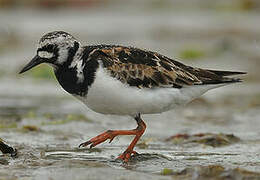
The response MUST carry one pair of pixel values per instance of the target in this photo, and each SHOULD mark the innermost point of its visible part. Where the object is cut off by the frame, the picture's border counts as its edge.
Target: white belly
(109, 96)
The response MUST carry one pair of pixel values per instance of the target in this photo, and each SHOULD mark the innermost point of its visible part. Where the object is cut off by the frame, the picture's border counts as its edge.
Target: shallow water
(46, 125)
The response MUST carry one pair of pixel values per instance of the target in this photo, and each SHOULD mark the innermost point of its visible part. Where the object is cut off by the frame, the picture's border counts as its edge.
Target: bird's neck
(77, 74)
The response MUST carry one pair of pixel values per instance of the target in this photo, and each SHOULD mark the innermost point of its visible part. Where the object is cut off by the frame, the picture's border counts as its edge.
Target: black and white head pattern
(55, 47)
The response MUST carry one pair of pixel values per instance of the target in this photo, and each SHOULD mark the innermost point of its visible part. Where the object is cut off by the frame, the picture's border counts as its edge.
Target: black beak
(34, 62)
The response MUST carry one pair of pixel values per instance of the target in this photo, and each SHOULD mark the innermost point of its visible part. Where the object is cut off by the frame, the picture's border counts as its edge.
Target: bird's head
(55, 49)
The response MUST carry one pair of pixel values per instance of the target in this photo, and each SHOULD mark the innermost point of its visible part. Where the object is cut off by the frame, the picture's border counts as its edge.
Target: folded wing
(146, 69)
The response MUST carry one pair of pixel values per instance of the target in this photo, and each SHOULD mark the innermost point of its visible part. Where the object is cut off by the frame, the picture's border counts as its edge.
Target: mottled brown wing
(146, 69)
(140, 68)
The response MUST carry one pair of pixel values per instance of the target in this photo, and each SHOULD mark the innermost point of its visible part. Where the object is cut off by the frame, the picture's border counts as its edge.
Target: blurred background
(36, 115)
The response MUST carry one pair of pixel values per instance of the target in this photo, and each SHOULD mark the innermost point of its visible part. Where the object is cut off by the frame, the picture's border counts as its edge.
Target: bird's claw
(85, 144)
(127, 155)
(99, 139)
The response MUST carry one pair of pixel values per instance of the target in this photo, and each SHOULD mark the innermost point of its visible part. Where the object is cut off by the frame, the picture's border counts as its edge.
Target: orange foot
(127, 155)
(111, 134)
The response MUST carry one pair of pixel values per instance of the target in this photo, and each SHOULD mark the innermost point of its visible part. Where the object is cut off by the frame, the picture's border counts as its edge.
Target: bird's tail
(223, 77)
(226, 73)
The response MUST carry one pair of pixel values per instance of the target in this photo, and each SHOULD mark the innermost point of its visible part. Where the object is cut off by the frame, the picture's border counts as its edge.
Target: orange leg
(111, 134)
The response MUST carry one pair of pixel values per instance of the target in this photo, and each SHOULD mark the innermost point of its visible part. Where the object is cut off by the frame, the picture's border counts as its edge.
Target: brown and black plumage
(147, 69)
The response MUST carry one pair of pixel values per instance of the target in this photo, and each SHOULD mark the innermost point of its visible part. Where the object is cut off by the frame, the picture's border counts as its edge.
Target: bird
(5, 149)
(123, 80)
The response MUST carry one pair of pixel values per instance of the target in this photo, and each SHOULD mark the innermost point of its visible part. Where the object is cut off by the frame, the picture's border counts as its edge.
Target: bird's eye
(49, 48)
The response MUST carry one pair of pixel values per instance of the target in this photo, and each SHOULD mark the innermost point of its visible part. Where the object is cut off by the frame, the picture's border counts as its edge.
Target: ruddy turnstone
(120, 80)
